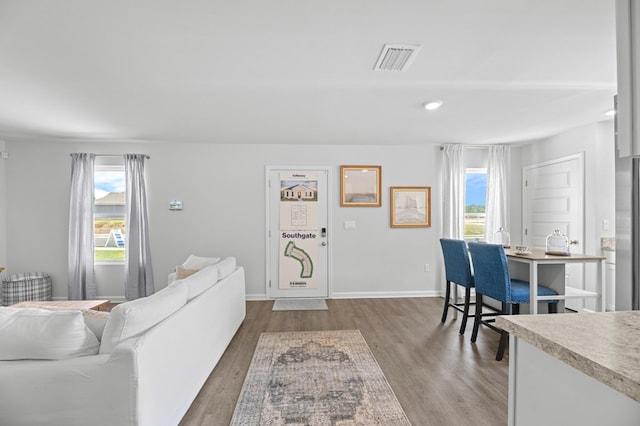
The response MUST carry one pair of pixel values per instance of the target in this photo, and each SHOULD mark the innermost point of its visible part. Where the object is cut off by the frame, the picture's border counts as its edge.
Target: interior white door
(298, 232)
(553, 198)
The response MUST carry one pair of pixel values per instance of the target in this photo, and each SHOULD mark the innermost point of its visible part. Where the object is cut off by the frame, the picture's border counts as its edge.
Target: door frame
(267, 205)
(577, 304)
(578, 156)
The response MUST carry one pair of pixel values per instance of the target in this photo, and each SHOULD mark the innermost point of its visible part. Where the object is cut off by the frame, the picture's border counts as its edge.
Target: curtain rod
(112, 155)
(471, 146)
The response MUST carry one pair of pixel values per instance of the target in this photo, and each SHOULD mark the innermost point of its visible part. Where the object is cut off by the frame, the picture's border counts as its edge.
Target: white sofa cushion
(198, 282)
(130, 319)
(31, 333)
(226, 266)
(198, 262)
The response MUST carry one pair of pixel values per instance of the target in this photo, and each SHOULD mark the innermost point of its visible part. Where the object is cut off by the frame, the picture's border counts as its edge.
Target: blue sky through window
(106, 181)
(476, 189)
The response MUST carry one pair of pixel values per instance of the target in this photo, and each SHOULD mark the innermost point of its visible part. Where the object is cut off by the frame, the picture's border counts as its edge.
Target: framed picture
(360, 186)
(410, 206)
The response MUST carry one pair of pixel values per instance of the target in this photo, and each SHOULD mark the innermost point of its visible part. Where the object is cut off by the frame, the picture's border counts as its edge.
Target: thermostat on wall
(175, 205)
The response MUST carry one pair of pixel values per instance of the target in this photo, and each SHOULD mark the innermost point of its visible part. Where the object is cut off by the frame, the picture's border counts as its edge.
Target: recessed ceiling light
(433, 105)
(610, 113)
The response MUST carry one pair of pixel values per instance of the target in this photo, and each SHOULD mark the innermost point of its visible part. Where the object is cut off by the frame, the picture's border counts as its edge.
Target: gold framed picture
(360, 186)
(410, 206)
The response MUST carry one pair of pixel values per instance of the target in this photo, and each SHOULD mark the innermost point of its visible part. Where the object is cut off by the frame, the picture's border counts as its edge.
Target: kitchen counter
(605, 346)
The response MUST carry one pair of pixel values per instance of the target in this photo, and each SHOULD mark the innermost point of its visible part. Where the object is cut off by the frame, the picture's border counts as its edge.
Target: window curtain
(138, 270)
(453, 187)
(497, 211)
(81, 279)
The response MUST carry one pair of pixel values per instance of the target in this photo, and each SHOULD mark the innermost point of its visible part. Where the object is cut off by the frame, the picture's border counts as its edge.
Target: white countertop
(603, 345)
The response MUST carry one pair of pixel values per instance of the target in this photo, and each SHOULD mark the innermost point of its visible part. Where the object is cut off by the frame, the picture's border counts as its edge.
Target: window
(474, 204)
(109, 213)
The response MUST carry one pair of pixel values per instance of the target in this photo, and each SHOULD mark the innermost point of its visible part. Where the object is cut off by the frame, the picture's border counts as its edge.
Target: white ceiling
(301, 71)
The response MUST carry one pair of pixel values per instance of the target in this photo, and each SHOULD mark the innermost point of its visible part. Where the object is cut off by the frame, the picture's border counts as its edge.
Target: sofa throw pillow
(198, 283)
(130, 319)
(226, 267)
(95, 320)
(198, 262)
(182, 272)
(31, 333)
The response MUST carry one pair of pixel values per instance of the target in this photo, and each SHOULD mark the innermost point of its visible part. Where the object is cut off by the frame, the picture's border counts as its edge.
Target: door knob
(573, 242)
(324, 243)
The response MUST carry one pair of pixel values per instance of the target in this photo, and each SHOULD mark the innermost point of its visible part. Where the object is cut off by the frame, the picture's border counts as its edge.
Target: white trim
(385, 294)
(579, 155)
(363, 295)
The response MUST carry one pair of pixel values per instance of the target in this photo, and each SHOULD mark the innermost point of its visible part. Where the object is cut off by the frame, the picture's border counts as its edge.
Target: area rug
(316, 378)
(300, 305)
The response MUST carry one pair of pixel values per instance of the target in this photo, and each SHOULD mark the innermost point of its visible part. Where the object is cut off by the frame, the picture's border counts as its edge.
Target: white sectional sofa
(154, 355)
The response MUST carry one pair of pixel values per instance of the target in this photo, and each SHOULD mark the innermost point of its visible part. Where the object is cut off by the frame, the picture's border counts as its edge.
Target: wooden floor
(439, 377)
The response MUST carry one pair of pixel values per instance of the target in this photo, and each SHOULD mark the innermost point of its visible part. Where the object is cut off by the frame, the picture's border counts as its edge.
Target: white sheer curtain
(81, 279)
(453, 187)
(138, 272)
(497, 211)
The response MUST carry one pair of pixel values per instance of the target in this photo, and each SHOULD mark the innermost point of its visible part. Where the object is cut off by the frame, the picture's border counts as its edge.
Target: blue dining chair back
(457, 271)
(492, 279)
(492, 269)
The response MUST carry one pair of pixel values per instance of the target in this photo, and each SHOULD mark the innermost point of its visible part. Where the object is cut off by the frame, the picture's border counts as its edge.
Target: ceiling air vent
(396, 57)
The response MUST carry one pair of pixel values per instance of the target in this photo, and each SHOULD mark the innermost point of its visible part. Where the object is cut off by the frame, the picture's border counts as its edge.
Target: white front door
(553, 198)
(297, 232)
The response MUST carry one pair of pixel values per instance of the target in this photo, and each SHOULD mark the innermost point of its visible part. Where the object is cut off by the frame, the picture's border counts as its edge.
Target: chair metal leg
(465, 313)
(446, 301)
(477, 317)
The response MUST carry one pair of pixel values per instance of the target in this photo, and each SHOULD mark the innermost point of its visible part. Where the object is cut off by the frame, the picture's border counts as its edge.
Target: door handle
(324, 243)
(573, 242)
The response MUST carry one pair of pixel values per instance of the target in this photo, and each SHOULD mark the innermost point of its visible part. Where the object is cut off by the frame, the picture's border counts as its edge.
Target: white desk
(553, 276)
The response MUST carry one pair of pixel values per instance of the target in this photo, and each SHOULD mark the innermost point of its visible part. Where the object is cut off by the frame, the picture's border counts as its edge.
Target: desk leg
(533, 287)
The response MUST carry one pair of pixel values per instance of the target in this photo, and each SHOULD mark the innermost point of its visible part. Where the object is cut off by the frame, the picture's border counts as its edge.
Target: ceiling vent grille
(396, 57)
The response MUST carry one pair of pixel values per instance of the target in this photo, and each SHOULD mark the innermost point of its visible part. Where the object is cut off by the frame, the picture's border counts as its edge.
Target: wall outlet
(427, 267)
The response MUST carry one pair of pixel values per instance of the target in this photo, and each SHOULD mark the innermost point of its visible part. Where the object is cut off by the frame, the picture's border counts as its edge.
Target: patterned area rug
(316, 378)
(300, 305)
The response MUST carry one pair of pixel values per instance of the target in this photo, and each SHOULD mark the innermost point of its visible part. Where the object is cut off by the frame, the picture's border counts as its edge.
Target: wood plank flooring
(439, 377)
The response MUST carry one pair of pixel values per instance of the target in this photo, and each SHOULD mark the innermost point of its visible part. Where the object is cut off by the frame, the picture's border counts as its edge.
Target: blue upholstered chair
(492, 279)
(457, 271)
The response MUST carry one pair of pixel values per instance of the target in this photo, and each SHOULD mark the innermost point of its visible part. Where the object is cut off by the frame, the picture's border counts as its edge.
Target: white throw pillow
(197, 283)
(198, 262)
(30, 333)
(226, 266)
(130, 319)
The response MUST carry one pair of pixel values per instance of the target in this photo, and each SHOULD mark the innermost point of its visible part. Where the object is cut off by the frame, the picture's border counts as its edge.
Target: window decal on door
(298, 229)
(301, 256)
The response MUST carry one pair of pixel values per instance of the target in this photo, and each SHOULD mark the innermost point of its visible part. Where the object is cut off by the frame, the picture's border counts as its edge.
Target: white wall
(3, 210)
(598, 144)
(222, 189)
(597, 141)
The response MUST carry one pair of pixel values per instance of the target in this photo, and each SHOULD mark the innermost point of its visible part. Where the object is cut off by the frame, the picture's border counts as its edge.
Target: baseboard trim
(385, 294)
(365, 295)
